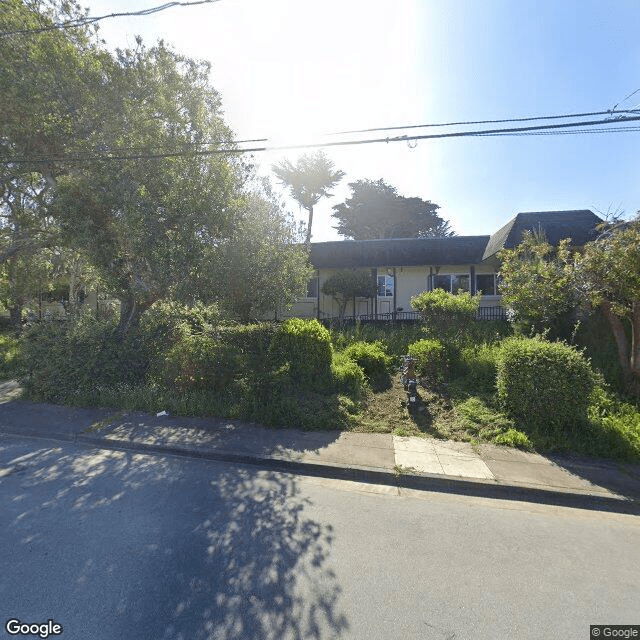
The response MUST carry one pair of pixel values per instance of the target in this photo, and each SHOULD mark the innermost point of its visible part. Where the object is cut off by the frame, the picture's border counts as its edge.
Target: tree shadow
(152, 547)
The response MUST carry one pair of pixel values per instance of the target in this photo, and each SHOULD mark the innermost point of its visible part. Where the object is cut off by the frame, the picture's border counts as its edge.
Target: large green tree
(47, 84)
(374, 211)
(262, 266)
(152, 205)
(610, 274)
(310, 179)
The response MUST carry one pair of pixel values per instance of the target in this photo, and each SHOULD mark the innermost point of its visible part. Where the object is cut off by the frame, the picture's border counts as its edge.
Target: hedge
(304, 346)
(544, 385)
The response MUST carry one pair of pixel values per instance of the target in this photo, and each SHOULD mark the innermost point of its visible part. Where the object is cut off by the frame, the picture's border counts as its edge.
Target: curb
(370, 475)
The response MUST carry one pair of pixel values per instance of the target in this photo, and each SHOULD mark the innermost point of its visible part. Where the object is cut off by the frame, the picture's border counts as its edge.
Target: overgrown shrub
(199, 362)
(348, 377)
(305, 347)
(446, 314)
(478, 364)
(372, 358)
(544, 385)
(10, 356)
(432, 360)
(251, 342)
(63, 357)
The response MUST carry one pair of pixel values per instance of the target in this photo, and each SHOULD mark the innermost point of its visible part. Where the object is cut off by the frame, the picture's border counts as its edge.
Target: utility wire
(456, 124)
(79, 22)
(548, 129)
(633, 93)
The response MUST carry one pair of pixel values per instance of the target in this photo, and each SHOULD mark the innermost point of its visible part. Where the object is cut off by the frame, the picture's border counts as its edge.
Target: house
(404, 267)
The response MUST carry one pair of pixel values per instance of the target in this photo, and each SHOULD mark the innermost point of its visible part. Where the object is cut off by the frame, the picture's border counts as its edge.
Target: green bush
(445, 314)
(432, 360)
(544, 385)
(10, 356)
(348, 377)
(372, 358)
(199, 362)
(66, 357)
(478, 364)
(251, 342)
(305, 347)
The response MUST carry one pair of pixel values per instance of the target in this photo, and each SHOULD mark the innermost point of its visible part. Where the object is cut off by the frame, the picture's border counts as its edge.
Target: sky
(294, 71)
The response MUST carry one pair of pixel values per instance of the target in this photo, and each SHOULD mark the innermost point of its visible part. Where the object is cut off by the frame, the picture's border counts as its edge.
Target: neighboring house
(404, 267)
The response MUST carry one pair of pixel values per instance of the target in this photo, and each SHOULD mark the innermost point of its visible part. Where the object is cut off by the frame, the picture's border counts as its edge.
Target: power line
(79, 22)
(456, 124)
(548, 129)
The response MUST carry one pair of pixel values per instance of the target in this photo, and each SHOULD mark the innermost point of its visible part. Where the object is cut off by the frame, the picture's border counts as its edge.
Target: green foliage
(593, 334)
(446, 315)
(348, 377)
(544, 386)
(396, 338)
(610, 273)
(250, 341)
(539, 285)
(262, 266)
(432, 359)
(304, 346)
(480, 419)
(372, 358)
(478, 364)
(199, 362)
(375, 211)
(10, 356)
(348, 284)
(615, 426)
(65, 357)
(514, 438)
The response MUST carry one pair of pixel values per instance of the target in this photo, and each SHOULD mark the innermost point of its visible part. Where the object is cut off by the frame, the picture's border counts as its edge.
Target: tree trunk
(309, 225)
(130, 313)
(622, 344)
(15, 316)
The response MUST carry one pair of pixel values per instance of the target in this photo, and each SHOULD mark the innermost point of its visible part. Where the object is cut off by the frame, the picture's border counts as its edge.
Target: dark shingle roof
(579, 225)
(398, 252)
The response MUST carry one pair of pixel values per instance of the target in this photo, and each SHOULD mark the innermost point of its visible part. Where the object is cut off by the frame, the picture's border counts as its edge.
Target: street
(113, 545)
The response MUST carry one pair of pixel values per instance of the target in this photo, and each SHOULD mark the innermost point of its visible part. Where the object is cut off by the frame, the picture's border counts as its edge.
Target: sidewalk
(422, 463)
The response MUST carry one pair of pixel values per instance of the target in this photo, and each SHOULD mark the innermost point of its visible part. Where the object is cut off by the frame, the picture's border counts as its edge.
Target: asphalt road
(115, 545)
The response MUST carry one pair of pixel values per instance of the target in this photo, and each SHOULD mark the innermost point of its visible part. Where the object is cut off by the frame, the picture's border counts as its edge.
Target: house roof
(398, 252)
(579, 225)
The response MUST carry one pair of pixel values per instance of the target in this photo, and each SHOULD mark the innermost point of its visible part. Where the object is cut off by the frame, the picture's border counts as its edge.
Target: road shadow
(151, 547)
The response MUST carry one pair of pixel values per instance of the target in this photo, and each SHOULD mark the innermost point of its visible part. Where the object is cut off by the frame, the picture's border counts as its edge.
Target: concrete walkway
(423, 463)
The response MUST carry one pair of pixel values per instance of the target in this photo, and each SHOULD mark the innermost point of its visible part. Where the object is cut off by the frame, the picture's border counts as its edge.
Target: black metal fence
(483, 313)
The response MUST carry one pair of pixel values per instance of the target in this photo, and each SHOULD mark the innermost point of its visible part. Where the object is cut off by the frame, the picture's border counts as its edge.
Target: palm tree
(310, 179)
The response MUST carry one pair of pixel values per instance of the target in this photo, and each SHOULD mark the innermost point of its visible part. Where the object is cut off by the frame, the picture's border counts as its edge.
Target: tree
(539, 285)
(375, 211)
(349, 284)
(47, 83)
(262, 266)
(610, 275)
(151, 221)
(310, 179)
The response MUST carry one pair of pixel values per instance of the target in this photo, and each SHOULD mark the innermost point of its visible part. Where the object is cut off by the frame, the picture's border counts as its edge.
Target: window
(312, 288)
(486, 284)
(451, 283)
(385, 286)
